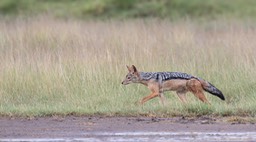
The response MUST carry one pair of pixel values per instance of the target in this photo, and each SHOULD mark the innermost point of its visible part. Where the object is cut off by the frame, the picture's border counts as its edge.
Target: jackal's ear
(134, 68)
(129, 69)
(135, 71)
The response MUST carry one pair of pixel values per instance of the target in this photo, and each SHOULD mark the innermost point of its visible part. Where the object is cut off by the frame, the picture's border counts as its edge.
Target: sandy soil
(71, 126)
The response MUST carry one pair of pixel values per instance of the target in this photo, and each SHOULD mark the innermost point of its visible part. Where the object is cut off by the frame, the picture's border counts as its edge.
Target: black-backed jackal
(159, 82)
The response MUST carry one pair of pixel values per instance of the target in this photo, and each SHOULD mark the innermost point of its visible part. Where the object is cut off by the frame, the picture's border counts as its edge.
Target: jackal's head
(132, 76)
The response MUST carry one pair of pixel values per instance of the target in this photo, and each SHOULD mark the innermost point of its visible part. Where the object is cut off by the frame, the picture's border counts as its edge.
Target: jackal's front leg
(161, 95)
(151, 96)
(155, 91)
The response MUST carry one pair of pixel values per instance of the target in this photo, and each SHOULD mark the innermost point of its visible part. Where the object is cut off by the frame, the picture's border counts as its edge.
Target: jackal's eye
(128, 77)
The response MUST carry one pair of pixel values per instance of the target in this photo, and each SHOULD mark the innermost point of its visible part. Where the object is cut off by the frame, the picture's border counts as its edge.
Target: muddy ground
(72, 126)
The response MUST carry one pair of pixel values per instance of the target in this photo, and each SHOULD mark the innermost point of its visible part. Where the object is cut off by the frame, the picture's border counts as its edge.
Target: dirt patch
(71, 126)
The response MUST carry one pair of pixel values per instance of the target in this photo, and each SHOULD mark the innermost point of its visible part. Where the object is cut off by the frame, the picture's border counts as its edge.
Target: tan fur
(181, 87)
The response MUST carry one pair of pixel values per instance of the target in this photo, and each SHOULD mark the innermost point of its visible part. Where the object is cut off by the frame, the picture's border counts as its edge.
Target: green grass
(57, 67)
(122, 9)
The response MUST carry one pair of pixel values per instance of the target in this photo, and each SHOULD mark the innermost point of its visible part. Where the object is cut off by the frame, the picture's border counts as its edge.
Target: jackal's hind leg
(196, 88)
(200, 95)
(182, 96)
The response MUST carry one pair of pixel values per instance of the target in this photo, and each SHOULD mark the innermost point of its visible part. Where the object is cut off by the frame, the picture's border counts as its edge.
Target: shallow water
(151, 136)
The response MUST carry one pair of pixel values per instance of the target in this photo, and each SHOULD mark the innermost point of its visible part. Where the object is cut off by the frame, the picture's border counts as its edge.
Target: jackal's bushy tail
(208, 87)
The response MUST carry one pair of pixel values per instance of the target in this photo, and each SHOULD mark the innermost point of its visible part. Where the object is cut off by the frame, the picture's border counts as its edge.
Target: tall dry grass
(50, 67)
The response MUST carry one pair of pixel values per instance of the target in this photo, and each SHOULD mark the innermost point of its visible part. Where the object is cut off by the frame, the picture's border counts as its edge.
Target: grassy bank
(122, 9)
(51, 67)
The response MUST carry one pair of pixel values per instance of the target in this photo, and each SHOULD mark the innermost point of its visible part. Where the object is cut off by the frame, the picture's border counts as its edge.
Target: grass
(63, 67)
